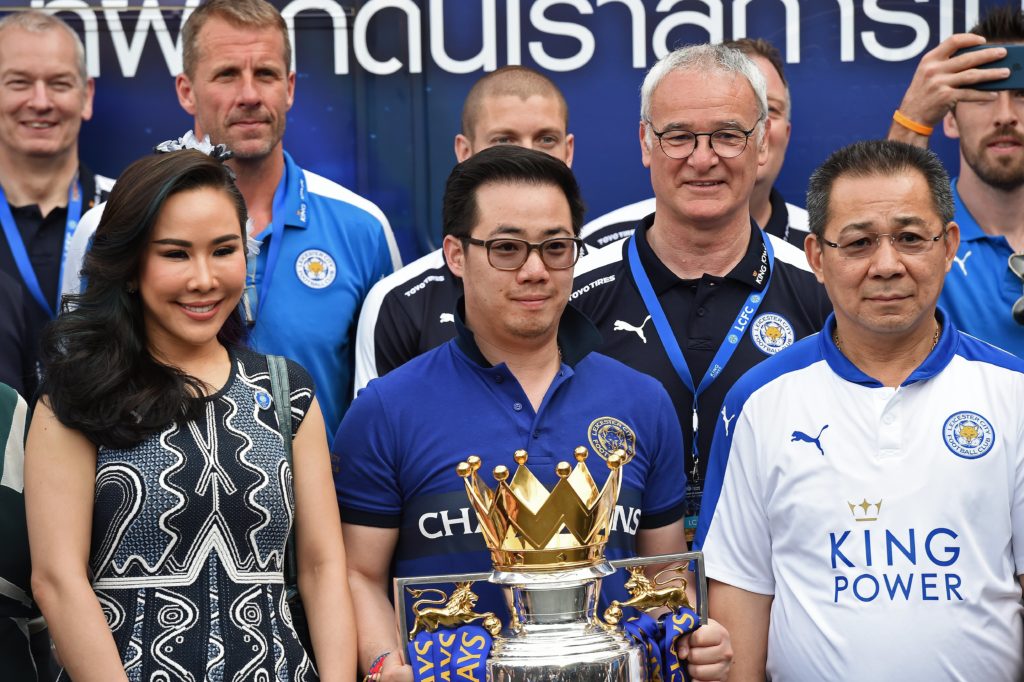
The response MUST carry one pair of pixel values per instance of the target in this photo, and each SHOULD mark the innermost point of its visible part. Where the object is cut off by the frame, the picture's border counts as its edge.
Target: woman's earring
(130, 288)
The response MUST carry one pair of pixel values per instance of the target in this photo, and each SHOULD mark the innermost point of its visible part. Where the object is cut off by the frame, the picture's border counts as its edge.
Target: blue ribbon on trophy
(659, 639)
(644, 630)
(458, 655)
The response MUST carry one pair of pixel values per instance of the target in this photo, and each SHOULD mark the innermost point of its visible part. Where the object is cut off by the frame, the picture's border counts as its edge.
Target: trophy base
(566, 654)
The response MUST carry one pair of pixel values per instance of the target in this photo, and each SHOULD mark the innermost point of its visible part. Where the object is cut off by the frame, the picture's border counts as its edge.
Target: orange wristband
(911, 125)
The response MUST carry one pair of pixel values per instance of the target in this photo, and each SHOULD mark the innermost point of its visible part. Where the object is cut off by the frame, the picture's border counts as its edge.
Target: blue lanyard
(17, 245)
(252, 302)
(671, 344)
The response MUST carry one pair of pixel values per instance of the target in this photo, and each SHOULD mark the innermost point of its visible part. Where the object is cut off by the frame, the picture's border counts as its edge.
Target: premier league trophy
(547, 548)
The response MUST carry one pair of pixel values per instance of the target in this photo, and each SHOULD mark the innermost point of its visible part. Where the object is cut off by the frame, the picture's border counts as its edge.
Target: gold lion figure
(449, 612)
(646, 594)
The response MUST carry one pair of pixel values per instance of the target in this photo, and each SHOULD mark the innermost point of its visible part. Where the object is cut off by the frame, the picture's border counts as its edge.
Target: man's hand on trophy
(708, 651)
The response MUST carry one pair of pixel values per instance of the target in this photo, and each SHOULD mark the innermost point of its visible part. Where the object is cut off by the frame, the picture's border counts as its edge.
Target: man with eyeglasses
(521, 373)
(984, 292)
(876, 522)
(698, 295)
(411, 311)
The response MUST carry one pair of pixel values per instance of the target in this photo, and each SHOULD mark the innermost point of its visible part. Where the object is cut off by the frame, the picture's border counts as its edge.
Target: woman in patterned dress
(158, 491)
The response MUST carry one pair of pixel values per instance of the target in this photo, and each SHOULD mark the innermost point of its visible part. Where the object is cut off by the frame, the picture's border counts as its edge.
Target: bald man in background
(412, 311)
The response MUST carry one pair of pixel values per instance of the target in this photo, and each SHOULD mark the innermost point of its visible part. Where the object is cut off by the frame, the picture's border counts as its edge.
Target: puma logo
(962, 262)
(726, 419)
(621, 326)
(803, 437)
(447, 317)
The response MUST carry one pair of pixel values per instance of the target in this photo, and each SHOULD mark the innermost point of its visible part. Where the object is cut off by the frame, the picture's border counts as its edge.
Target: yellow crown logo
(864, 510)
(526, 526)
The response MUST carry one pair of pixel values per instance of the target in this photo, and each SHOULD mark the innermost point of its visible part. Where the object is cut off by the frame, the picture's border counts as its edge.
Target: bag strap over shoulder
(281, 393)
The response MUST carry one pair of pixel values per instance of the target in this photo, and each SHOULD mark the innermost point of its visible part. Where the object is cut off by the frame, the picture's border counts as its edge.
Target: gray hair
(873, 158)
(35, 21)
(705, 57)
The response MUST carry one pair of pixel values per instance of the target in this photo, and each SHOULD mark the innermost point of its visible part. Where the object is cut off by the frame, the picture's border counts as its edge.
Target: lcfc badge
(608, 434)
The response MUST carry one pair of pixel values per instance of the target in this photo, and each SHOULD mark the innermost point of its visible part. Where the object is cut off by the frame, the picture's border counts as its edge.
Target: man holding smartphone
(981, 104)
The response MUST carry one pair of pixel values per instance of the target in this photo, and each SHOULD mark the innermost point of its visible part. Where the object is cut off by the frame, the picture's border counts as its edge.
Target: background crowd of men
(528, 326)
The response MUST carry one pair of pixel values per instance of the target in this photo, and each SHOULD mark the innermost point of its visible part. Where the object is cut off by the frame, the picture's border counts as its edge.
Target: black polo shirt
(13, 335)
(405, 315)
(701, 312)
(43, 237)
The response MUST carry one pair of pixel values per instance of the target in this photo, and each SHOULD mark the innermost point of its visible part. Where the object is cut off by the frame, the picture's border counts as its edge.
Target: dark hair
(515, 80)
(99, 375)
(1002, 25)
(759, 47)
(250, 14)
(504, 164)
(876, 157)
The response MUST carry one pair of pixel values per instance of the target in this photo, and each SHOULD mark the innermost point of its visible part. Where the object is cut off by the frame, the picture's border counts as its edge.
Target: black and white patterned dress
(189, 531)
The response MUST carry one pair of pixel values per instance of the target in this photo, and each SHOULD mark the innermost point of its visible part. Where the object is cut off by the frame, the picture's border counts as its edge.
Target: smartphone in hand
(1014, 61)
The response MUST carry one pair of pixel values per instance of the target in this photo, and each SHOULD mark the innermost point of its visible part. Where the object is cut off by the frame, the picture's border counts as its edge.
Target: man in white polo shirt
(864, 509)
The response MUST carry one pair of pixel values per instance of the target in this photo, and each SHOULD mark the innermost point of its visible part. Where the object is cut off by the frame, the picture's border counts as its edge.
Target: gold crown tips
(474, 462)
(464, 469)
(616, 459)
(526, 525)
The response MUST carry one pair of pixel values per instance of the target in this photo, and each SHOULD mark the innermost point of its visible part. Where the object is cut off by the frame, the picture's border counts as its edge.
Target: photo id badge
(694, 488)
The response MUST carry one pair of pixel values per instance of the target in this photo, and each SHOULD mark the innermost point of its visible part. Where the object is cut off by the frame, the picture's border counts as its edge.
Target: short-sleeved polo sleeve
(363, 457)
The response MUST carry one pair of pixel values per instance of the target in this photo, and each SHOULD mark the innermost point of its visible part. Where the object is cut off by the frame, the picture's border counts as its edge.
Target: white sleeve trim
(631, 212)
(787, 253)
(71, 280)
(317, 184)
(366, 351)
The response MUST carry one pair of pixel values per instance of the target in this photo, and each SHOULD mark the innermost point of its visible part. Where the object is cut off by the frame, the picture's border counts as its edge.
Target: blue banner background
(389, 137)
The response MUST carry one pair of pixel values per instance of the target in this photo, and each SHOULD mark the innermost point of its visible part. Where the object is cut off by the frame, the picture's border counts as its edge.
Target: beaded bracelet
(373, 674)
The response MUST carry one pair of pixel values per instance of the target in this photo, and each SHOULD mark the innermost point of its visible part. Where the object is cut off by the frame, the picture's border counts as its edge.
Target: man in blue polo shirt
(984, 291)
(520, 374)
(322, 247)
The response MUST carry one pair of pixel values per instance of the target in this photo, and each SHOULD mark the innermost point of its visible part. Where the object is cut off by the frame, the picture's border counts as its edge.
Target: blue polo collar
(577, 336)
(293, 195)
(969, 229)
(940, 356)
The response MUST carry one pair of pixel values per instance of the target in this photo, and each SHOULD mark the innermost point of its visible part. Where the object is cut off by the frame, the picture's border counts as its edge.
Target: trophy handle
(695, 559)
(401, 592)
(645, 595)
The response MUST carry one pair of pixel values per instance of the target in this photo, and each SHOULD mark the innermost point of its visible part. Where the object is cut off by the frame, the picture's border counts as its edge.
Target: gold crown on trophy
(527, 526)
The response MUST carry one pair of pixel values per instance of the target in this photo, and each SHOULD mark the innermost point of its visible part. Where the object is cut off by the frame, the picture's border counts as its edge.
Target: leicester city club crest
(263, 398)
(968, 435)
(608, 434)
(315, 268)
(771, 333)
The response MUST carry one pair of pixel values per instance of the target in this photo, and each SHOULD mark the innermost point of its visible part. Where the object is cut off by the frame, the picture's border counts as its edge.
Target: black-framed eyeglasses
(727, 143)
(1016, 263)
(510, 253)
(865, 245)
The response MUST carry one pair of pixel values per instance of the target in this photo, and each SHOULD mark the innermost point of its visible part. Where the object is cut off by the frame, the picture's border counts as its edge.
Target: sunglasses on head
(1016, 263)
